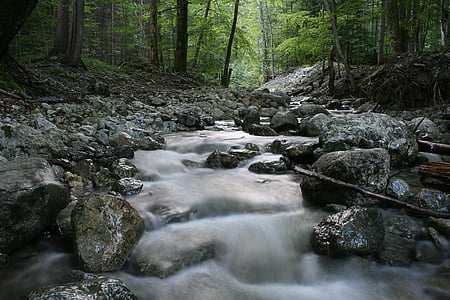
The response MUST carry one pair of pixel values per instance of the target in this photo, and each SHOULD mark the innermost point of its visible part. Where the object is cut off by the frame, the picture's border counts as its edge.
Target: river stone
(301, 153)
(251, 117)
(398, 245)
(424, 128)
(366, 168)
(219, 159)
(127, 186)
(269, 167)
(261, 130)
(91, 288)
(441, 225)
(312, 126)
(369, 130)
(191, 119)
(30, 198)
(284, 121)
(243, 154)
(104, 178)
(430, 199)
(106, 229)
(18, 141)
(124, 151)
(356, 230)
(123, 168)
(309, 110)
(397, 188)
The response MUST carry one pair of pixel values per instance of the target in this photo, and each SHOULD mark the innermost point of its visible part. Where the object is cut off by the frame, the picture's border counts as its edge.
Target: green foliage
(7, 83)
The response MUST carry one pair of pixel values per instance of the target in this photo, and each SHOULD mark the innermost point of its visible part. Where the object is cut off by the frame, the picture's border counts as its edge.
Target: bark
(182, 36)
(201, 35)
(331, 72)
(73, 55)
(385, 199)
(226, 71)
(444, 22)
(13, 14)
(397, 35)
(62, 28)
(153, 28)
(381, 35)
(264, 43)
(436, 175)
(430, 147)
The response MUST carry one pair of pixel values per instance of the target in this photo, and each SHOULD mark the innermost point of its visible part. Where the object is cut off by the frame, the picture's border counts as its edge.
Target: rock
(98, 88)
(125, 151)
(208, 120)
(106, 230)
(219, 159)
(74, 181)
(366, 168)
(30, 198)
(19, 141)
(191, 119)
(269, 167)
(44, 125)
(309, 110)
(123, 168)
(398, 245)
(121, 139)
(127, 186)
(251, 117)
(156, 101)
(430, 199)
(153, 257)
(3, 260)
(91, 287)
(438, 240)
(261, 130)
(284, 121)
(301, 153)
(243, 154)
(84, 168)
(441, 225)
(104, 178)
(397, 188)
(312, 126)
(369, 130)
(424, 128)
(354, 231)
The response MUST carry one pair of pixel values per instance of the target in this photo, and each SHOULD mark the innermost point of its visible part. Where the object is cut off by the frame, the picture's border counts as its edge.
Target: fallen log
(436, 148)
(386, 199)
(10, 94)
(436, 175)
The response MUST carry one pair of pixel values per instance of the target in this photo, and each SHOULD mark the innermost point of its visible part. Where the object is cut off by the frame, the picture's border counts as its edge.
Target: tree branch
(386, 199)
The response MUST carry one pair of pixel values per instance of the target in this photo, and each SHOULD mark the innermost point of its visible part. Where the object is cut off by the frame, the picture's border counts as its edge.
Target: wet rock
(91, 287)
(251, 117)
(354, 231)
(424, 128)
(312, 126)
(3, 260)
(121, 139)
(284, 121)
(397, 188)
(441, 225)
(106, 230)
(309, 110)
(127, 186)
(123, 168)
(30, 198)
(369, 130)
(269, 167)
(191, 119)
(208, 120)
(74, 181)
(19, 141)
(427, 252)
(367, 168)
(81, 150)
(84, 168)
(430, 199)
(219, 159)
(244, 154)
(125, 151)
(261, 130)
(398, 244)
(301, 153)
(103, 178)
(152, 257)
(438, 240)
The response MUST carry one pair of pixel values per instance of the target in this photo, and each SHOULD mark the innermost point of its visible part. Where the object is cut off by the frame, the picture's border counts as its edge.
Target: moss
(7, 83)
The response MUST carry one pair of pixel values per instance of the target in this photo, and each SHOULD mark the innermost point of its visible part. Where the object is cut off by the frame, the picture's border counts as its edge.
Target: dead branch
(10, 94)
(386, 199)
(430, 147)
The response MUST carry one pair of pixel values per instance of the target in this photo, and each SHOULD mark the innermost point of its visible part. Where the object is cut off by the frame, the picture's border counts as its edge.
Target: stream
(258, 223)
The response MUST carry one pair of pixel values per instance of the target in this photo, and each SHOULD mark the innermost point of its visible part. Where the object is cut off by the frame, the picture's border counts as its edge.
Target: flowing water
(258, 223)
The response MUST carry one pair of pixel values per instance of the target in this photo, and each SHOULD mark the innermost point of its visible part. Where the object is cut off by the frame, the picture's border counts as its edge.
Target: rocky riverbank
(73, 157)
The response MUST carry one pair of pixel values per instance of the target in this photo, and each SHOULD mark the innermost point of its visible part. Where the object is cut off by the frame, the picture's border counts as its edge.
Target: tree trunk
(13, 14)
(394, 27)
(200, 35)
(153, 28)
(266, 71)
(62, 28)
(272, 47)
(226, 72)
(73, 55)
(331, 72)
(182, 36)
(444, 22)
(381, 35)
(436, 175)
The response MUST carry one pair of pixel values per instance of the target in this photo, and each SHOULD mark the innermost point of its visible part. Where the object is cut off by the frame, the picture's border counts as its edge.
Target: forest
(231, 42)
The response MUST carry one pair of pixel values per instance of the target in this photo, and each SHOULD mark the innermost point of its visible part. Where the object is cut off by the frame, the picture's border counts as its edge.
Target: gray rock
(369, 130)
(127, 186)
(261, 130)
(191, 119)
(398, 246)
(397, 188)
(90, 288)
(3, 260)
(269, 167)
(312, 126)
(125, 151)
(424, 128)
(219, 159)
(84, 168)
(106, 230)
(301, 153)
(284, 121)
(367, 168)
(354, 231)
(430, 199)
(243, 154)
(251, 117)
(30, 198)
(441, 225)
(309, 110)
(104, 178)
(44, 125)
(123, 168)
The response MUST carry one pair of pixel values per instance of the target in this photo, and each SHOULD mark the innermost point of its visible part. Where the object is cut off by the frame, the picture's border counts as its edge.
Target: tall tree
(397, 34)
(265, 61)
(182, 36)
(62, 28)
(73, 54)
(381, 35)
(226, 74)
(154, 55)
(201, 34)
(444, 23)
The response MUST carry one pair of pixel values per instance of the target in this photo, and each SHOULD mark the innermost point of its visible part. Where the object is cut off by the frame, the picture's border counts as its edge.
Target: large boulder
(30, 198)
(309, 110)
(106, 230)
(19, 140)
(261, 130)
(367, 168)
(217, 160)
(90, 287)
(284, 121)
(251, 117)
(369, 130)
(354, 231)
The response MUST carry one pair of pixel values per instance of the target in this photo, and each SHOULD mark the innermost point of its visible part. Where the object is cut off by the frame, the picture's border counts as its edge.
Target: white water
(258, 224)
